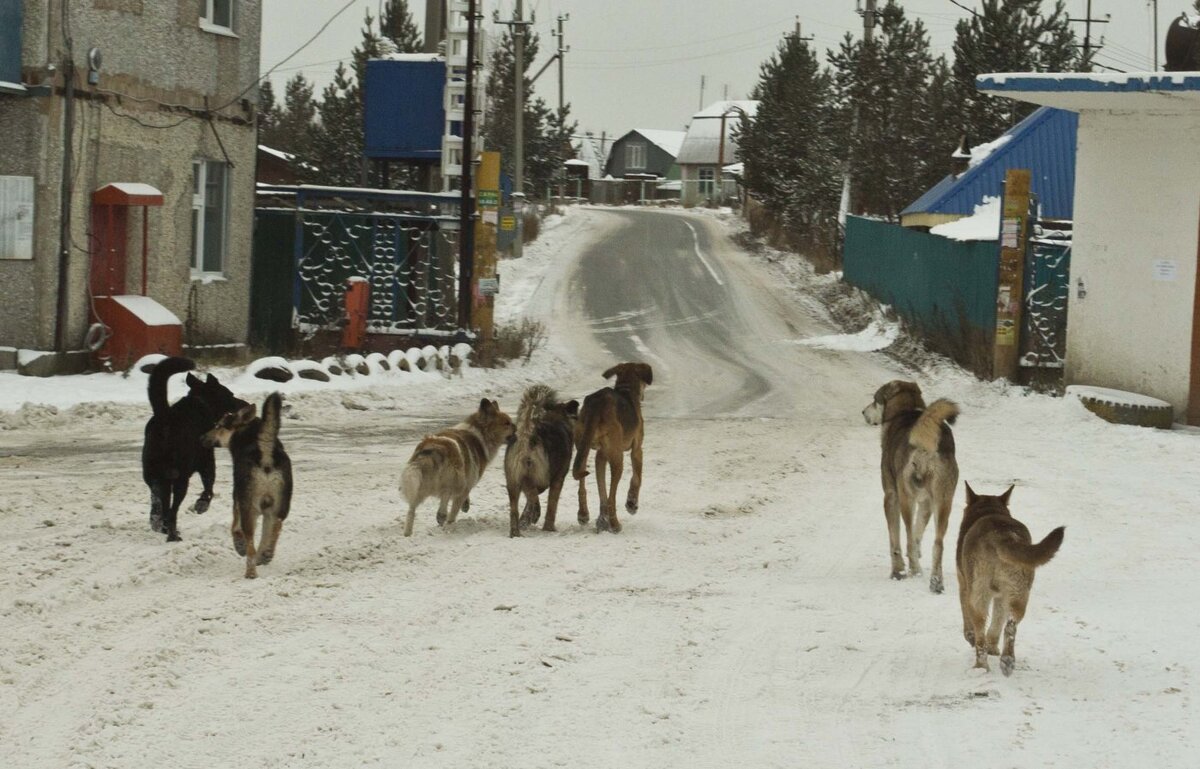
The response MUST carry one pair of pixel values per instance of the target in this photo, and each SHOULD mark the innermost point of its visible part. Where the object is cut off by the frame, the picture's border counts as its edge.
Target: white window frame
(199, 212)
(707, 177)
(208, 21)
(635, 156)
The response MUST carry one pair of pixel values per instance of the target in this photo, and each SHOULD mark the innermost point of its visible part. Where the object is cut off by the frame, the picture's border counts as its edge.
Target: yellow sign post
(1010, 290)
(486, 280)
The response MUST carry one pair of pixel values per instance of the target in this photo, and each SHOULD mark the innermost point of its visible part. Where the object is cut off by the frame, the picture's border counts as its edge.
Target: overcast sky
(638, 63)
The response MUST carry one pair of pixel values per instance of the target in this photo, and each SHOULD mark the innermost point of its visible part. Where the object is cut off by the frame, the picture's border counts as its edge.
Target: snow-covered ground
(743, 618)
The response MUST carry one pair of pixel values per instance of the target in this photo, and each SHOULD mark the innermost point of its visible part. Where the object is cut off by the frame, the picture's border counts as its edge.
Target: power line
(688, 44)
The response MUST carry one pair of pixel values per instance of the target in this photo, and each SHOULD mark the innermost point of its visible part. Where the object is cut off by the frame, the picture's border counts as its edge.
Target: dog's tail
(1032, 555)
(271, 413)
(926, 434)
(423, 460)
(534, 403)
(164, 370)
(588, 416)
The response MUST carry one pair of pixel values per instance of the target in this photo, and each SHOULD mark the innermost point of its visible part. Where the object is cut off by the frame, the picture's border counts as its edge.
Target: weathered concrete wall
(1137, 210)
(159, 67)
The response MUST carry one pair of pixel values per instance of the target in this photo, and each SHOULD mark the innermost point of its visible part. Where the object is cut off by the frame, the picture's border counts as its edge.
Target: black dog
(172, 451)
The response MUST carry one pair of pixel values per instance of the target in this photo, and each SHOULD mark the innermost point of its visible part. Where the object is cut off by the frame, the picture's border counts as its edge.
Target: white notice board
(16, 217)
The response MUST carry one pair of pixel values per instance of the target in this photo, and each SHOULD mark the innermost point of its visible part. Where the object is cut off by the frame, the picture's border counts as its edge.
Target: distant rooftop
(1171, 92)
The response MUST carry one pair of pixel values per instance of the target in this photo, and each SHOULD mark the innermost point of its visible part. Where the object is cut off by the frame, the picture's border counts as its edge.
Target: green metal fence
(941, 287)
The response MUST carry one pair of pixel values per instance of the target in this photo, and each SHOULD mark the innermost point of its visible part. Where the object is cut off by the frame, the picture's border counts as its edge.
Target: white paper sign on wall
(1165, 270)
(16, 217)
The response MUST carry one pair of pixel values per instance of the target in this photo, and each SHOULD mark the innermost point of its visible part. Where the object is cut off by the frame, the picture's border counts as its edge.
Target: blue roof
(1044, 142)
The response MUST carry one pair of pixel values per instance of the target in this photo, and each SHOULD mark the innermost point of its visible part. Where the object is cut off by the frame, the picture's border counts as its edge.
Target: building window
(635, 157)
(456, 128)
(10, 46)
(706, 181)
(210, 216)
(216, 15)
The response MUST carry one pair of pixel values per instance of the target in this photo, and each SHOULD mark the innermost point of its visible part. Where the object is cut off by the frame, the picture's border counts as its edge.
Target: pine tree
(788, 148)
(1008, 36)
(397, 25)
(297, 126)
(547, 135)
(269, 114)
(338, 141)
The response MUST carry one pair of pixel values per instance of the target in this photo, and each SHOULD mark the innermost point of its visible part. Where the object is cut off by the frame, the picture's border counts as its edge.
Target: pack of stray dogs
(995, 556)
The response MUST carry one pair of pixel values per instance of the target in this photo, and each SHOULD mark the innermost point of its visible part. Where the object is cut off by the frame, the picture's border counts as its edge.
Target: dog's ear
(212, 380)
(246, 413)
(611, 372)
(193, 381)
(971, 495)
(488, 407)
(571, 408)
(645, 373)
(1007, 493)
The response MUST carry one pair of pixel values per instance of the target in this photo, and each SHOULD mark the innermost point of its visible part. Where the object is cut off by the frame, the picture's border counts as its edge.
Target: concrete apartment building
(151, 103)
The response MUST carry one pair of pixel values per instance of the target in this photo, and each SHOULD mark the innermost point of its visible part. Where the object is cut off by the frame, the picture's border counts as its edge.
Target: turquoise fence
(939, 286)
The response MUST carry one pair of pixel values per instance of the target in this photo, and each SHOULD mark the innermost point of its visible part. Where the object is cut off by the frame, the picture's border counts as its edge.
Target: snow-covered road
(743, 618)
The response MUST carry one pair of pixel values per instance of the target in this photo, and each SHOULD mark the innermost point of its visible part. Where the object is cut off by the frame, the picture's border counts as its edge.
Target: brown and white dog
(610, 422)
(539, 458)
(996, 561)
(919, 471)
(447, 465)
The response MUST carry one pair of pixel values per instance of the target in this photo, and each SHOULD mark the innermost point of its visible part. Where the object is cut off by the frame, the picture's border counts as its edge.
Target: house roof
(127, 194)
(1044, 142)
(702, 144)
(668, 141)
(1162, 92)
(594, 151)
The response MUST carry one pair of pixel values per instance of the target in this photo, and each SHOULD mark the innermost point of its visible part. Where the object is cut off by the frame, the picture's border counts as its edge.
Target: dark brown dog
(996, 561)
(610, 422)
(539, 456)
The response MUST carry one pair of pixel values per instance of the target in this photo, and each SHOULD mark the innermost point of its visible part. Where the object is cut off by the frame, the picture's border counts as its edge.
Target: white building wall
(1137, 215)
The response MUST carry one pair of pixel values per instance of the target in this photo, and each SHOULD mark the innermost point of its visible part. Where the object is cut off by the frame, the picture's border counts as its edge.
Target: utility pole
(799, 38)
(1155, 4)
(701, 93)
(1088, 21)
(518, 24)
(466, 235)
(562, 51)
(868, 16)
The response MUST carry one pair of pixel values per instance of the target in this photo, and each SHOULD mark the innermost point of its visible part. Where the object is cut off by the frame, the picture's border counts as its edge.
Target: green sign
(489, 198)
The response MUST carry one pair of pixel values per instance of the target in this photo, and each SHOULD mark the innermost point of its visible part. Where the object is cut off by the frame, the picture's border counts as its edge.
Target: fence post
(1014, 235)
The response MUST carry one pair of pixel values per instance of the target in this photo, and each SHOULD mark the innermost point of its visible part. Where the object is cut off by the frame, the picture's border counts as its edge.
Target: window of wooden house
(210, 216)
(635, 156)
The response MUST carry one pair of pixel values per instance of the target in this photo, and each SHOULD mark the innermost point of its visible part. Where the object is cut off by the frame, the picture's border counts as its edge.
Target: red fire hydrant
(354, 332)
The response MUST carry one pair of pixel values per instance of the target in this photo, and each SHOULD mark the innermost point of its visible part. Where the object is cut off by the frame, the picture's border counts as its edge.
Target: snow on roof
(668, 141)
(984, 224)
(980, 152)
(412, 57)
(147, 310)
(575, 162)
(591, 152)
(718, 108)
(135, 188)
(702, 144)
(1164, 93)
(277, 153)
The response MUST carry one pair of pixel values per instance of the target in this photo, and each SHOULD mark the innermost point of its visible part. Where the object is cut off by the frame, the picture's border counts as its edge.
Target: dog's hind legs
(160, 500)
(441, 513)
(583, 515)
(552, 505)
(455, 506)
(249, 518)
(616, 465)
(466, 505)
(410, 518)
(208, 475)
(239, 538)
(272, 527)
(602, 521)
(999, 615)
(916, 531)
(178, 492)
(891, 510)
(1008, 658)
(936, 584)
(635, 480)
(514, 523)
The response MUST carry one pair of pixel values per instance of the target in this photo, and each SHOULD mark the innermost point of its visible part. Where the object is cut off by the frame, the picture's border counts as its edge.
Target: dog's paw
(441, 519)
(631, 506)
(583, 518)
(993, 648)
(936, 585)
(239, 544)
(157, 525)
(466, 505)
(602, 523)
(898, 575)
(1006, 665)
(251, 574)
(514, 533)
(548, 527)
(202, 503)
(174, 537)
(265, 556)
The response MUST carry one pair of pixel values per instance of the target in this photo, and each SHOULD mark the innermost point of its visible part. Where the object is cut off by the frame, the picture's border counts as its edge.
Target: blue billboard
(403, 111)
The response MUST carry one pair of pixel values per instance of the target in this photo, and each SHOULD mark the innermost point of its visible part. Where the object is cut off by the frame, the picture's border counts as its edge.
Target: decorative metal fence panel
(1047, 286)
(411, 264)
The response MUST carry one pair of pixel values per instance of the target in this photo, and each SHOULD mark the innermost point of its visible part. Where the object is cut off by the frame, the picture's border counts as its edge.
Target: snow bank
(879, 335)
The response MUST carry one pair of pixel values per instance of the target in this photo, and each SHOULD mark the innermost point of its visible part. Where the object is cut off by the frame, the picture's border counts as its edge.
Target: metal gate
(1047, 287)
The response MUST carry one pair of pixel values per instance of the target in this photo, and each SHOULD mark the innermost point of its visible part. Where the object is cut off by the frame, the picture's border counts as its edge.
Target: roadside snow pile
(984, 224)
(878, 335)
